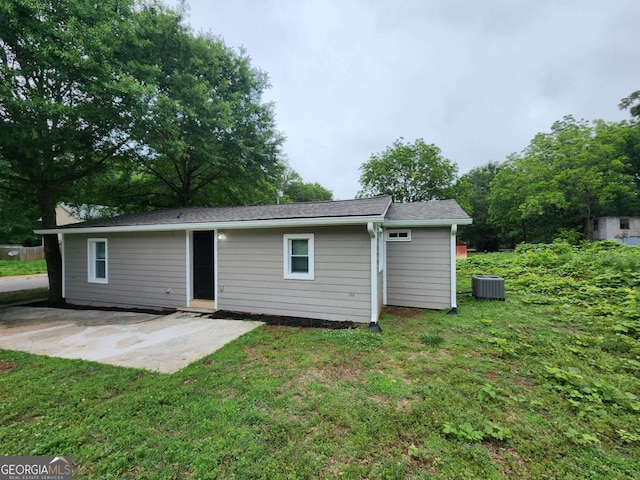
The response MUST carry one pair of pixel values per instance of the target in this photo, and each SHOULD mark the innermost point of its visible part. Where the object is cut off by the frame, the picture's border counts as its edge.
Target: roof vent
(487, 286)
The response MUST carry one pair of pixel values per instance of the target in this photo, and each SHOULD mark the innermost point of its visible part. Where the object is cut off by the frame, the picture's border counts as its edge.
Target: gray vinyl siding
(141, 268)
(251, 274)
(419, 271)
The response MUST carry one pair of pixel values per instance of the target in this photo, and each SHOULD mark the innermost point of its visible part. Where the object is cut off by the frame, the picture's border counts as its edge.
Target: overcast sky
(477, 78)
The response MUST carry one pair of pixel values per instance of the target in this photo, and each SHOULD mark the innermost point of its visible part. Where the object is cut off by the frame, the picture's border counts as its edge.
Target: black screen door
(203, 287)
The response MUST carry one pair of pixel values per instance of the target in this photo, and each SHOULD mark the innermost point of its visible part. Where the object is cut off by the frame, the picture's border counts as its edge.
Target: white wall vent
(487, 286)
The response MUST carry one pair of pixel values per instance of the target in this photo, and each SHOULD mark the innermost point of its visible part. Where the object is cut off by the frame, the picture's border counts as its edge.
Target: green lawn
(544, 385)
(10, 268)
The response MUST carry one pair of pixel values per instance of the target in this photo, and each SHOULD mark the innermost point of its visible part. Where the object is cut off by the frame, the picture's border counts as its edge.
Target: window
(398, 235)
(624, 223)
(299, 256)
(98, 271)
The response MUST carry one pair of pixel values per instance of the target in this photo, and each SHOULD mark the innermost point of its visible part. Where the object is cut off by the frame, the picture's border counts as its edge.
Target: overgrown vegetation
(543, 385)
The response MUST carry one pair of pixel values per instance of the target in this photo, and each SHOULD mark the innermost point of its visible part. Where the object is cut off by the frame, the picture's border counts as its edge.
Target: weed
(432, 340)
(466, 432)
(581, 438)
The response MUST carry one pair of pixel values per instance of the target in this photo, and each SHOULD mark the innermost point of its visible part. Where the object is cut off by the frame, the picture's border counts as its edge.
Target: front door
(203, 245)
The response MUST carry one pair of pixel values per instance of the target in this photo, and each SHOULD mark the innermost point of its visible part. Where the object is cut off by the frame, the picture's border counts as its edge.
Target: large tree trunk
(51, 246)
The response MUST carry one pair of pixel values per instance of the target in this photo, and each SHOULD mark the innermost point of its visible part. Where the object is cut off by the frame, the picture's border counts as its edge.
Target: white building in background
(621, 229)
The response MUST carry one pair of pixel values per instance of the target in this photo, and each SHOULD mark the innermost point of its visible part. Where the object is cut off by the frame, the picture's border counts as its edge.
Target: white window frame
(288, 274)
(91, 259)
(395, 235)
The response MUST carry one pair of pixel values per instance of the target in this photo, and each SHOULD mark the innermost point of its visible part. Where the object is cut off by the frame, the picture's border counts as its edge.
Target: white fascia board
(425, 223)
(234, 225)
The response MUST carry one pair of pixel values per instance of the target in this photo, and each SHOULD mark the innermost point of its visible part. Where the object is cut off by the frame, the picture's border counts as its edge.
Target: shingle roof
(425, 211)
(374, 207)
(364, 209)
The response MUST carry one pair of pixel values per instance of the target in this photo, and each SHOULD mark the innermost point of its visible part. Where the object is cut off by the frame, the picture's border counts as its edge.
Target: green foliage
(589, 395)
(563, 180)
(581, 438)
(631, 103)
(18, 219)
(208, 137)
(602, 278)
(307, 192)
(432, 340)
(480, 235)
(9, 268)
(409, 172)
(293, 189)
(467, 433)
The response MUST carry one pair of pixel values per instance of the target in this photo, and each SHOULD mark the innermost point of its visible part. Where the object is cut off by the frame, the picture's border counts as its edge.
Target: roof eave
(444, 222)
(232, 225)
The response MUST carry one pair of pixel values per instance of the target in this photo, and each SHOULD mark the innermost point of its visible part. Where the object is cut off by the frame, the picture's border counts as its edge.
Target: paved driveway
(24, 282)
(165, 343)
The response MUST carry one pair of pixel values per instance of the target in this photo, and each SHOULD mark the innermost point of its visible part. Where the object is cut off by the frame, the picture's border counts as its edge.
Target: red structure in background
(461, 249)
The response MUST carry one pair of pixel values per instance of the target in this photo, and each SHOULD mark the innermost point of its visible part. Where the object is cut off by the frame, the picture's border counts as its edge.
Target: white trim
(372, 228)
(91, 261)
(454, 301)
(64, 269)
(286, 253)
(188, 240)
(216, 290)
(398, 232)
(443, 222)
(235, 225)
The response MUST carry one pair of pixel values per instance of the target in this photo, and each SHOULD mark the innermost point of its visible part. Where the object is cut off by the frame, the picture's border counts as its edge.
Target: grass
(524, 388)
(9, 268)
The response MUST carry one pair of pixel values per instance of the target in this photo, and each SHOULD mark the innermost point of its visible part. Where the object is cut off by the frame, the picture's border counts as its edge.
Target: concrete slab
(163, 343)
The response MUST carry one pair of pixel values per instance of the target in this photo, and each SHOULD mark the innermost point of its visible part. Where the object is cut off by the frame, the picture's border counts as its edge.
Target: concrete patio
(163, 343)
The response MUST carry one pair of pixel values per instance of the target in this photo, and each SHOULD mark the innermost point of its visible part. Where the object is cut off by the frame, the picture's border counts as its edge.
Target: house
(66, 214)
(621, 229)
(338, 260)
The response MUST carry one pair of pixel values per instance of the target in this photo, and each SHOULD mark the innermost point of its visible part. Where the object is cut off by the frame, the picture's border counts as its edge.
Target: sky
(476, 78)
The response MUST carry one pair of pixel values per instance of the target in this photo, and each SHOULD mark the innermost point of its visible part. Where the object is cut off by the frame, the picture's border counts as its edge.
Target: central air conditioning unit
(487, 286)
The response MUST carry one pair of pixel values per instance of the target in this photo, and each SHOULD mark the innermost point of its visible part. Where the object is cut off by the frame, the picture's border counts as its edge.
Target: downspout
(384, 271)
(372, 228)
(188, 263)
(454, 302)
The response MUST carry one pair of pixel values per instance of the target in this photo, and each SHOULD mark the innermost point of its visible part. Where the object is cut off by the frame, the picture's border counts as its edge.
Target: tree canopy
(563, 180)
(409, 172)
(118, 103)
(67, 100)
(293, 189)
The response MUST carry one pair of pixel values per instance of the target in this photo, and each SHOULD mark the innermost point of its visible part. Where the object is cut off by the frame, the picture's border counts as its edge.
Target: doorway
(203, 268)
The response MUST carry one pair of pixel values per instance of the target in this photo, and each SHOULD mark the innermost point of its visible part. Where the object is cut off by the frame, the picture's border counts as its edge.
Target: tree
(307, 192)
(481, 235)
(408, 172)
(631, 103)
(563, 180)
(67, 101)
(18, 219)
(209, 139)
